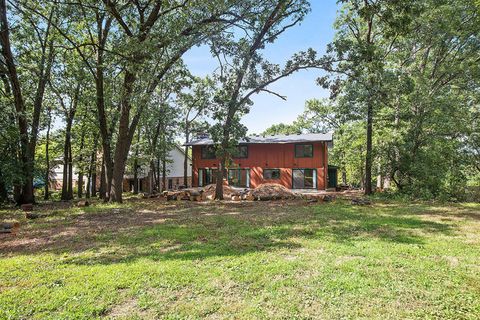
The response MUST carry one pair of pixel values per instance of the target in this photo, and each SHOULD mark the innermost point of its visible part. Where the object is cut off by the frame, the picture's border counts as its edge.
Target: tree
(193, 105)
(35, 43)
(367, 32)
(244, 72)
(152, 32)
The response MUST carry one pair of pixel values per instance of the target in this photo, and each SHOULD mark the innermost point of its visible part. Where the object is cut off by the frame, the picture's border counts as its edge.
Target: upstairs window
(208, 152)
(271, 174)
(304, 151)
(241, 152)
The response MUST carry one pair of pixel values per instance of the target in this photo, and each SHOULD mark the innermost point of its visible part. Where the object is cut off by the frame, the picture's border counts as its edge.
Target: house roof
(280, 139)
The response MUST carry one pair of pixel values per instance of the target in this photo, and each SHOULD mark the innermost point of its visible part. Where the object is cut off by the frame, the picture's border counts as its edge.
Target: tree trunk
(25, 192)
(80, 167)
(158, 175)
(219, 183)
(66, 160)
(135, 165)
(368, 158)
(92, 168)
(117, 178)
(103, 184)
(164, 173)
(70, 173)
(153, 174)
(94, 178)
(47, 158)
(87, 187)
(80, 184)
(135, 176)
(3, 190)
(124, 138)
(185, 158)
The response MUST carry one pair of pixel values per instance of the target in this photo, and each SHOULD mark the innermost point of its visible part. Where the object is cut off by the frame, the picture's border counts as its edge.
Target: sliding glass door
(304, 178)
(206, 177)
(239, 178)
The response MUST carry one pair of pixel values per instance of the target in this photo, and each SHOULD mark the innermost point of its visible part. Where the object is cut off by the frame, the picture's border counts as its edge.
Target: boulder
(31, 215)
(84, 203)
(8, 227)
(361, 201)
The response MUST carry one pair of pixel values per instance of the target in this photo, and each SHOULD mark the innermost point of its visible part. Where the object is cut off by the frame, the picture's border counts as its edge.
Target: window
(271, 174)
(239, 178)
(242, 152)
(303, 151)
(206, 176)
(208, 152)
(304, 178)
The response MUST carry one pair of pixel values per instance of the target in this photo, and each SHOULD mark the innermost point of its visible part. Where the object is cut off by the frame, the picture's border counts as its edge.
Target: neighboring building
(174, 177)
(56, 176)
(295, 161)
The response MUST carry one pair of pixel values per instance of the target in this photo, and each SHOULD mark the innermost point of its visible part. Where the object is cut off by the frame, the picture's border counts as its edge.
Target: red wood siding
(271, 156)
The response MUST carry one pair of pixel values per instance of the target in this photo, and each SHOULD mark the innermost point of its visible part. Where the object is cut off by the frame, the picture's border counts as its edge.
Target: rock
(328, 198)
(27, 207)
(236, 198)
(31, 215)
(83, 203)
(8, 227)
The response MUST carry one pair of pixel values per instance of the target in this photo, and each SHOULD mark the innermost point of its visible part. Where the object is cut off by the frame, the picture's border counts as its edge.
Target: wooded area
(101, 85)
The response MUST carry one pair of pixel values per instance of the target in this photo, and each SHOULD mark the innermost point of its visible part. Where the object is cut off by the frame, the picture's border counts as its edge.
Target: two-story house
(295, 161)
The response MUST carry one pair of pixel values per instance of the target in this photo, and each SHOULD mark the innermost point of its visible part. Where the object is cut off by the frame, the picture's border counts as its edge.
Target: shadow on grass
(189, 231)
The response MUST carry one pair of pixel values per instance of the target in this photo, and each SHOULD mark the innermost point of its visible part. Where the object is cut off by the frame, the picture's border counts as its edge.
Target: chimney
(203, 135)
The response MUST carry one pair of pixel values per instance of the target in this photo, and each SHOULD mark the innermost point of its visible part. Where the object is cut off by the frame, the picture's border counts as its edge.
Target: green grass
(150, 259)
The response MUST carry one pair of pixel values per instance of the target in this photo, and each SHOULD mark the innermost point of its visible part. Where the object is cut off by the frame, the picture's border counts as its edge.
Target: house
(295, 161)
(56, 175)
(175, 170)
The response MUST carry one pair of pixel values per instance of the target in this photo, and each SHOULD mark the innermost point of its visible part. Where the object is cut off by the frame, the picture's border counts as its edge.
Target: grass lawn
(282, 260)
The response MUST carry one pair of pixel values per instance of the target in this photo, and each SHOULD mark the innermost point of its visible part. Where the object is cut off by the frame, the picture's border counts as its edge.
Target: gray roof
(281, 139)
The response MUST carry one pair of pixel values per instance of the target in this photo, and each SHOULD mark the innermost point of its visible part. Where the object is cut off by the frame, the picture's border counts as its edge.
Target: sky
(315, 31)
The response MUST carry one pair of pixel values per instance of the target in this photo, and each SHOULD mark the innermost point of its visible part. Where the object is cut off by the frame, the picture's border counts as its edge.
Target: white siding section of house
(175, 167)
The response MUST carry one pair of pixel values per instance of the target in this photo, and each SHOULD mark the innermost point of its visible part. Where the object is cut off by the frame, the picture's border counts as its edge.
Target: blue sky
(316, 31)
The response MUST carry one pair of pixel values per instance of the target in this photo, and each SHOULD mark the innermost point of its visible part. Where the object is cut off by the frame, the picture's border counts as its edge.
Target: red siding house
(295, 161)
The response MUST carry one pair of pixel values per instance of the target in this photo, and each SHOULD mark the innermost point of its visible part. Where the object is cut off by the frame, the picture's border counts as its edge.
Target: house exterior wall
(175, 167)
(174, 170)
(271, 156)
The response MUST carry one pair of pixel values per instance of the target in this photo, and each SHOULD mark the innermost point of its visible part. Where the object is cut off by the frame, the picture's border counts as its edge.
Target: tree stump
(27, 207)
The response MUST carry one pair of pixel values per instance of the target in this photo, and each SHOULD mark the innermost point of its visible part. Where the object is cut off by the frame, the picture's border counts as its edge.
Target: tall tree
(367, 31)
(36, 43)
(244, 71)
(194, 104)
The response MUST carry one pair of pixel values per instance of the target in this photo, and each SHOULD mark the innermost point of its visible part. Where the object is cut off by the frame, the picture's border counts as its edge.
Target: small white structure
(174, 169)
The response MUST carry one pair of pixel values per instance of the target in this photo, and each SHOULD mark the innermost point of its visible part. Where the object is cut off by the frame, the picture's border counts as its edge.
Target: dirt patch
(80, 230)
(128, 309)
